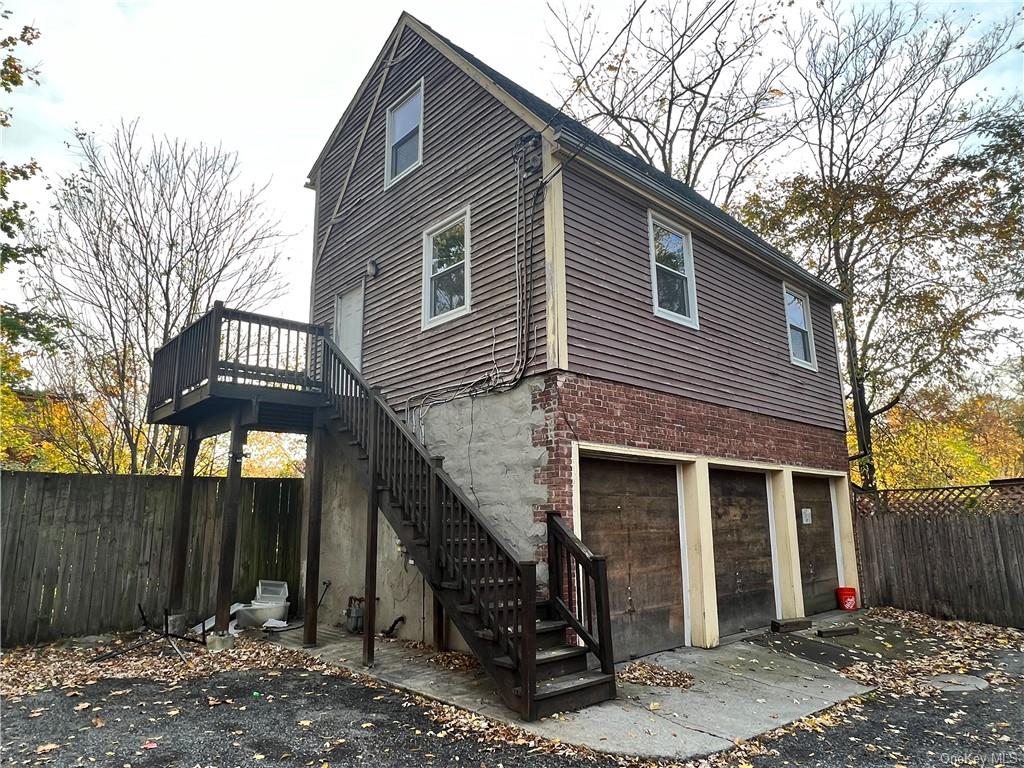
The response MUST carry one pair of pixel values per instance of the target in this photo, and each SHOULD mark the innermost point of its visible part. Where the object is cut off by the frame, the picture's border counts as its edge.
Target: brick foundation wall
(586, 409)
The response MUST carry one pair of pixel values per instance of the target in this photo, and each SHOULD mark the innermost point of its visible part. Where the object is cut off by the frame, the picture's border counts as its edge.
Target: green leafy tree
(17, 324)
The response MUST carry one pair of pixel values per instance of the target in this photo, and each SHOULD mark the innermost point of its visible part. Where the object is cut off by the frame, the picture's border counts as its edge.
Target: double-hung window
(446, 270)
(672, 280)
(798, 320)
(404, 135)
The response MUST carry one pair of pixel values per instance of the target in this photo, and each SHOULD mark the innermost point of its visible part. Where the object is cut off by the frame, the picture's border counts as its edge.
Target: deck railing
(231, 346)
(463, 548)
(239, 350)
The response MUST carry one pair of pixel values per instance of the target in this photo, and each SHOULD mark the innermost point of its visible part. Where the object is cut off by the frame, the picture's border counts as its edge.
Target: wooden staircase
(545, 656)
(235, 370)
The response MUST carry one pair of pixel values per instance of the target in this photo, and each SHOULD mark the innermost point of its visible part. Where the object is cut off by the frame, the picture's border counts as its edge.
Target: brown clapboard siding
(468, 137)
(739, 357)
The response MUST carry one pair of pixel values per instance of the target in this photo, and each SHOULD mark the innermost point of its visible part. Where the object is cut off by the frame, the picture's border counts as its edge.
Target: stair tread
(546, 655)
(550, 625)
(556, 686)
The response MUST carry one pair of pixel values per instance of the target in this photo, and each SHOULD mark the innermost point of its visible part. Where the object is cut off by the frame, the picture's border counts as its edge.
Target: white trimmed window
(404, 135)
(798, 321)
(672, 280)
(446, 248)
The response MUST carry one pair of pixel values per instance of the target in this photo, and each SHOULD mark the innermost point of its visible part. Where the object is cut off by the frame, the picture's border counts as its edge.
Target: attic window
(801, 336)
(404, 135)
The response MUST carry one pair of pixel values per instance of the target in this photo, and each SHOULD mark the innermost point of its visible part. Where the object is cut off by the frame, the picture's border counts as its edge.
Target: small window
(673, 285)
(798, 320)
(404, 135)
(446, 270)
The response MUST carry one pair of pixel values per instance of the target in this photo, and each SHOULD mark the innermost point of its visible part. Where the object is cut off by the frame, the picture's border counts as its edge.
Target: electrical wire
(645, 82)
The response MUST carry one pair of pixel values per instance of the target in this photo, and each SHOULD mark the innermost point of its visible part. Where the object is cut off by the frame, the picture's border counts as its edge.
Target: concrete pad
(740, 690)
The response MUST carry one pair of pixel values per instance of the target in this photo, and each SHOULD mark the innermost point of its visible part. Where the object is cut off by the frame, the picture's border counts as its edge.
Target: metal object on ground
(158, 634)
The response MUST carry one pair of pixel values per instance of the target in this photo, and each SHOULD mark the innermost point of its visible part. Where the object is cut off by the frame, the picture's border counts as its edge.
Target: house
(618, 395)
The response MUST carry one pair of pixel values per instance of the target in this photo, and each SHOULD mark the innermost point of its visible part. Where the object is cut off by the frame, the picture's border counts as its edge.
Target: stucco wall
(487, 445)
(488, 449)
(401, 590)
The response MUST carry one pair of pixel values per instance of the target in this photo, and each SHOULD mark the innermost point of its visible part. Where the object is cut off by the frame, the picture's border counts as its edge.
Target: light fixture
(371, 268)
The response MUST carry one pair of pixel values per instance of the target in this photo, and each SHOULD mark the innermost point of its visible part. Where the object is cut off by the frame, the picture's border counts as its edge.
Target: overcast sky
(266, 79)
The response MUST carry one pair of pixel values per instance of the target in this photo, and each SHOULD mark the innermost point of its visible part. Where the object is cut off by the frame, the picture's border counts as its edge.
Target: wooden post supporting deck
(229, 529)
(436, 523)
(316, 493)
(182, 525)
(372, 513)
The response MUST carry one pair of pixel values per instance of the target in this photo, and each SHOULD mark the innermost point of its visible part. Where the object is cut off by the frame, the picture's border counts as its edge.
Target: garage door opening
(742, 534)
(629, 512)
(815, 532)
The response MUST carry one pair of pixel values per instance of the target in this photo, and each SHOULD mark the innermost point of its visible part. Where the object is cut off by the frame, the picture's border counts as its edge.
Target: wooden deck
(229, 361)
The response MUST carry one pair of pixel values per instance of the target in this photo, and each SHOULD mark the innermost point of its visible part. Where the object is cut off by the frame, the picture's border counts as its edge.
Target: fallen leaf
(83, 705)
(258, 756)
(149, 745)
(98, 721)
(305, 723)
(43, 749)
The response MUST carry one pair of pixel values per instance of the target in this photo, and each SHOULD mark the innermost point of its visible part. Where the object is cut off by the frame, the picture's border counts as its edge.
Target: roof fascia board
(407, 21)
(377, 63)
(513, 104)
(657, 194)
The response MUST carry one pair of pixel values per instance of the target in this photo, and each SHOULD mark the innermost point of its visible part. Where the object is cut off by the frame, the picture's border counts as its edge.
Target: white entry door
(348, 325)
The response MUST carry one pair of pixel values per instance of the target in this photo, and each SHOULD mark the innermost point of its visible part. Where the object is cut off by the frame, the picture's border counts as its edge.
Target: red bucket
(847, 598)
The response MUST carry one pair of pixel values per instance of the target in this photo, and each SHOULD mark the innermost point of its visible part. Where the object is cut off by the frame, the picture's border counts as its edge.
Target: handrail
(230, 347)
(500, 585)
(578, 586)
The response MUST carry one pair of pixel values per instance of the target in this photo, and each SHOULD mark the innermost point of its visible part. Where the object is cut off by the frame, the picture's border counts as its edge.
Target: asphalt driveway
(291, 718)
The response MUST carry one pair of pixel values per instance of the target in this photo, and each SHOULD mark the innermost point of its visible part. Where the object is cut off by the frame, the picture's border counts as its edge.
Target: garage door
(743, 552)
(815, 533)
(629, 512)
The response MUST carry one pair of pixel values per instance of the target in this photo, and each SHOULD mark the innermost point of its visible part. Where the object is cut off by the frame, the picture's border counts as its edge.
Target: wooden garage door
(815, 533)
(743, 551)
(629, 512)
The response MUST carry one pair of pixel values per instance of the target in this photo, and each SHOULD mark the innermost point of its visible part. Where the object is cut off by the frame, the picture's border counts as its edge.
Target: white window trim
(787, 289)
(426, 320)
(691, 277)
(390, 180)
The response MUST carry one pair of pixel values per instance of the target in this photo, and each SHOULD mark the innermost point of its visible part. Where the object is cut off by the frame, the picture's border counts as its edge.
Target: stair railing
(578, 582)
(463, 547)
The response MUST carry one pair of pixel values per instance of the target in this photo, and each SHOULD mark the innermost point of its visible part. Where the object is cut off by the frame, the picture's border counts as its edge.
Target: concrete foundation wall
(401, 590)
(487, 445)
(488, 449)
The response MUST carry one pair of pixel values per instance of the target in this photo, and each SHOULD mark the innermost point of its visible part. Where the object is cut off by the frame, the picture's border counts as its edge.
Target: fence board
(952, 553)
(80, 552)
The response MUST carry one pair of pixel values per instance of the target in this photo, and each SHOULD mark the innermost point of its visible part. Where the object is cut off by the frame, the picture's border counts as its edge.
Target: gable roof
(578, 138)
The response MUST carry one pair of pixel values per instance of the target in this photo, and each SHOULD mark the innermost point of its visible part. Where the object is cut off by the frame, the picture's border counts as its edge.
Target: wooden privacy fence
(948, 552)
(81, 551)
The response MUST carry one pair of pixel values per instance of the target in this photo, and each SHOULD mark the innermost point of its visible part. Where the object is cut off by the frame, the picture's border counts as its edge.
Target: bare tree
(139, 243)
(687, 87)
(906, 197)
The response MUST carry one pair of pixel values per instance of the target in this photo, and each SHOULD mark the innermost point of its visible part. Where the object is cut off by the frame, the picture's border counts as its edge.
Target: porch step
(573, 691)
(553, 662)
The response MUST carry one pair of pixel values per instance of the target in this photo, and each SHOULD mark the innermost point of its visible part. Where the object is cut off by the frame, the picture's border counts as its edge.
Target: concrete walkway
(742, 689)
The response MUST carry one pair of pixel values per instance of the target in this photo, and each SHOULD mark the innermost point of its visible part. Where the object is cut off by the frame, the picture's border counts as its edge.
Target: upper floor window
(801, 336)
(672, 280)
(446, 270)
(404, 135)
